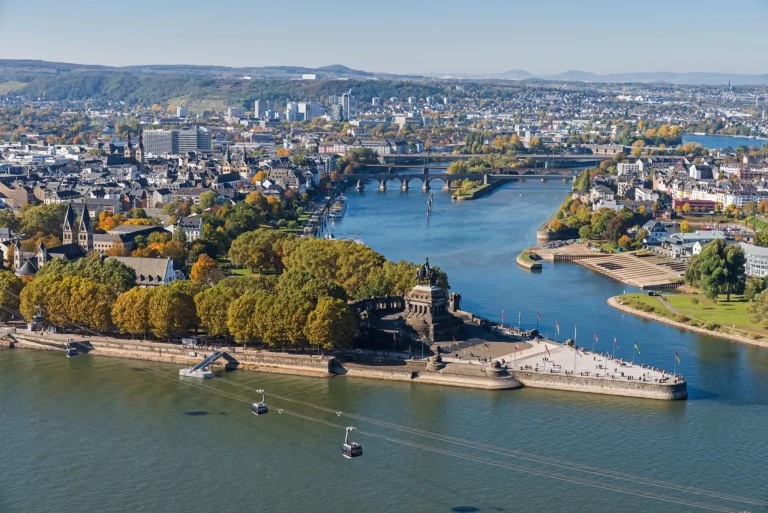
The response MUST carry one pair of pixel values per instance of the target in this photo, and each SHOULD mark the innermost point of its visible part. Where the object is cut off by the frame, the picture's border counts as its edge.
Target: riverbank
(495, 374)
(615, 303)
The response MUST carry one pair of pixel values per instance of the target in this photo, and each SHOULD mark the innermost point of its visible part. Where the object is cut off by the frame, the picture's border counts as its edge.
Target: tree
(259, 249)
(556, 225)
(761, 239)
(113, 274)
(758, 309)
(47, 219)
(685, 227)
(637, 148)
(206, 270)
(331, 324)
(585, 232)
(170, 312)
(458, 167)
(179, 235)
(686, 208)
(753, 287)
(625, 242)
(10, 291)
(207, 199)
(212, 307)
(130, 312)
(720, 268)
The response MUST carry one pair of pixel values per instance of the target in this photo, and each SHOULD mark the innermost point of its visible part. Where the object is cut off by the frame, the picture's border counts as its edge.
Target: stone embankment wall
(304, 365)
(465, 376)
(570, 382)
(613, 301)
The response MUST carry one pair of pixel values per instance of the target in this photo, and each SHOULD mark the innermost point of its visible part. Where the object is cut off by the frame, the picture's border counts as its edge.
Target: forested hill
(134, 88)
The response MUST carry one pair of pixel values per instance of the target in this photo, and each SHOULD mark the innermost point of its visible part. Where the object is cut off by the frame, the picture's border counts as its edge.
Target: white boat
(202, 373)
(338, 208)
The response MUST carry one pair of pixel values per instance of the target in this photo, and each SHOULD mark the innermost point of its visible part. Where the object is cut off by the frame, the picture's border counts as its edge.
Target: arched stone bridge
(448, 181)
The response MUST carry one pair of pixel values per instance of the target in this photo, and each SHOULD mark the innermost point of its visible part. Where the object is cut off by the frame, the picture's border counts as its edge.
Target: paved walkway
(667, 305)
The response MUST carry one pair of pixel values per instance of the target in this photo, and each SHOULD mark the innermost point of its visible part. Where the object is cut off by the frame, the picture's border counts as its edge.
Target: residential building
(756, 260)
(192, 227)
(656, 232)
(627, 168)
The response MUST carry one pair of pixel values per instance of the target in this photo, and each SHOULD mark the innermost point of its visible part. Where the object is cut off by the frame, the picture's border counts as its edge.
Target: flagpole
(674, 372)
(519, 313)
(634, 350)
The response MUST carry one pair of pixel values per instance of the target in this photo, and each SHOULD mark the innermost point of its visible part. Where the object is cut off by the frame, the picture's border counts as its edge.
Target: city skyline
(412, 38)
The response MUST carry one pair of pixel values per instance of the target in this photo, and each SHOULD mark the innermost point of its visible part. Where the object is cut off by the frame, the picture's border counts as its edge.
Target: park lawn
(525, 256)
(724, 313)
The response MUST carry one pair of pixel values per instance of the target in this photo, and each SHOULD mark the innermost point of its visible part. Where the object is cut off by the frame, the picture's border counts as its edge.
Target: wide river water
(90, 434)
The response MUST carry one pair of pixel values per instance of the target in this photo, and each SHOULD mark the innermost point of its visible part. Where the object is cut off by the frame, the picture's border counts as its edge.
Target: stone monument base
(427, 311)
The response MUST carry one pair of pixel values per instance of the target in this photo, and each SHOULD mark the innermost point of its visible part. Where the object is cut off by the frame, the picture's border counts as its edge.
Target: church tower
(227, 167)
(140, 149)
(70, 228)
(85, 232)
(18, 256)
(128, 153)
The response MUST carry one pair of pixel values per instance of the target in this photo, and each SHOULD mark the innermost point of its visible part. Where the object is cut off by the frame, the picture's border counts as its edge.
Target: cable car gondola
(260, 408)
(351, 449)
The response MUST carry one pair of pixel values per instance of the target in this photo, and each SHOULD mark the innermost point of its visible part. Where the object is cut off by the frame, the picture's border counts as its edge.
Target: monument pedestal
(427, 310)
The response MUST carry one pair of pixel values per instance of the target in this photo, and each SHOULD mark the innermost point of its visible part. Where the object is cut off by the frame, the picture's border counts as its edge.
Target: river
(91, 434)
(718, 142)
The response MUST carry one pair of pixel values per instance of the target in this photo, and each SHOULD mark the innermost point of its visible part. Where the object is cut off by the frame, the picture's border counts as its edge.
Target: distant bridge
(451, 181)
(427, 157)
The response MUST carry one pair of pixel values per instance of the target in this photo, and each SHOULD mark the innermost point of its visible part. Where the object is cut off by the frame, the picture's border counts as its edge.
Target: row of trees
(359, 270)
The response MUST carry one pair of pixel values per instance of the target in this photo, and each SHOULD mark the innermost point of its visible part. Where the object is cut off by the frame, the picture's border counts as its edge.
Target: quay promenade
(548, 364)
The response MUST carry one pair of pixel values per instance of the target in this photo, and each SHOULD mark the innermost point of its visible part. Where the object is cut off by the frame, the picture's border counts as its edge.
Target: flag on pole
(518, 349)
(637, 348)
(486, 345)
(557, 327)
(547, 350)
(677, 357)
(595, 337)
(577, 351)
(615, 341)
(502, 317)
(538, 315)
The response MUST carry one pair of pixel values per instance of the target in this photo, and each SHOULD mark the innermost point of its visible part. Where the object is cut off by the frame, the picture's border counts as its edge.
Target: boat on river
(338, 208)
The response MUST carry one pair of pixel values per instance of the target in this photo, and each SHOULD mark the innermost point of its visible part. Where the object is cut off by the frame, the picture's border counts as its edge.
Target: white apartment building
(628, 168)
(757, 260)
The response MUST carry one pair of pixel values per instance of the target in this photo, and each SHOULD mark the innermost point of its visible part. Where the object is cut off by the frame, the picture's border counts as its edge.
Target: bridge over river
(451, 181)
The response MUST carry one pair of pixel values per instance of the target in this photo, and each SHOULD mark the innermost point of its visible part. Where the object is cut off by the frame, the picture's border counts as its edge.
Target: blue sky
(396, 36)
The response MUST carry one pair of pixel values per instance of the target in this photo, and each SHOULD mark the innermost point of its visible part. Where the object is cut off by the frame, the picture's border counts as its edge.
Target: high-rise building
(260, 108)
(430, 100)
(235, 112)
(375, 100)
(181, 112)
(411, 100)
(161, 142)
(348, 106)
(203, 139)
(291, 111)
(194, 139)
(337, 113)
(310, 110)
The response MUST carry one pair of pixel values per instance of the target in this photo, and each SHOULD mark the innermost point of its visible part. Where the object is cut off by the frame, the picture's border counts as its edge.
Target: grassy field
(696, 310)
(9, 87)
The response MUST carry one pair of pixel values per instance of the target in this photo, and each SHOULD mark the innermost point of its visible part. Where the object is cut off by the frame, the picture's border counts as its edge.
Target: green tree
(331, 324)
(758, 309)
(720, 268)
(207, 199)
(753, 287)
(585, 232)
(179, 235)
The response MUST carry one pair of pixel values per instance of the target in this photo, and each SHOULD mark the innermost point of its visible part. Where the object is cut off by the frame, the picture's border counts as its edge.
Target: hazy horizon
(400, 38)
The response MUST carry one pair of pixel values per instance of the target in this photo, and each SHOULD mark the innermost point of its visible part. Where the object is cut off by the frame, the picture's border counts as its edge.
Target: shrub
(695, 301)
(712, 326)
